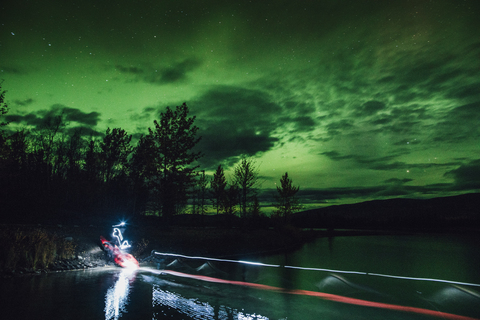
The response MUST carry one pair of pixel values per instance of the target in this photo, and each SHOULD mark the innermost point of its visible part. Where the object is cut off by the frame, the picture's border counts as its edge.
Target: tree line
(52, 172)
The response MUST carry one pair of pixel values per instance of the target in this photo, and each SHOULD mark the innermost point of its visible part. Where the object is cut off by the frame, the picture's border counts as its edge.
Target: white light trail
(215, 259)
(118, 234)
(322, 269)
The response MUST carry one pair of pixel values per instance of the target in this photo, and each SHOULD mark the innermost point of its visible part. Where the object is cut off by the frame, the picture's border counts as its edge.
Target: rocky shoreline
(189, 241)
(229, 243)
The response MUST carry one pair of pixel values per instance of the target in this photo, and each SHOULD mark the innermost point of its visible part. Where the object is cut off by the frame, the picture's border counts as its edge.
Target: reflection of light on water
(116, 298)
(196, 309)
(191, 307)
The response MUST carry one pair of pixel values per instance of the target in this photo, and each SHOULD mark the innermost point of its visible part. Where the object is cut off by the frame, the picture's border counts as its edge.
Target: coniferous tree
(230, 199)
(202, 194)
(246, 179)
(92, 161)
(255, 209)
(287, 202)
(115, 151)
(3, 137)
(3, 107)
(174, 137)
(217, 189)
(143, 173)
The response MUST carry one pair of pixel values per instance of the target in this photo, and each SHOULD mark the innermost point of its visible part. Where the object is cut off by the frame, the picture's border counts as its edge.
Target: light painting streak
(118, 234)
(322, 269)
(215, 259)
(324, 296)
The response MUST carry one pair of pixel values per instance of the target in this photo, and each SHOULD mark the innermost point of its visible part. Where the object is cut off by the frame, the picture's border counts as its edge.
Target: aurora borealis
(356, 100)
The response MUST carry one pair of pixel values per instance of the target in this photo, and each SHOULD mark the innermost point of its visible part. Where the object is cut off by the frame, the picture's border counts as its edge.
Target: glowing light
(215, 259)
(116, 298)
(121, 224)
(118, 234)
(322, 269)
(123, 259)
(325, 296)
(126, 260)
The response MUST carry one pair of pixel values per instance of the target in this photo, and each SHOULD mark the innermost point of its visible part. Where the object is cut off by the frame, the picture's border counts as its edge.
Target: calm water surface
(226, 290)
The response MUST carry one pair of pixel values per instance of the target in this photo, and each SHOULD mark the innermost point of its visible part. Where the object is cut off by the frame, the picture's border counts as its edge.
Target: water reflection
(194, 308)
(116, 298)
(190, 307)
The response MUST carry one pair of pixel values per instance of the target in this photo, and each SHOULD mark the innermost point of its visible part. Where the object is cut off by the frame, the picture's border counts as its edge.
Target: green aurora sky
(357, 100)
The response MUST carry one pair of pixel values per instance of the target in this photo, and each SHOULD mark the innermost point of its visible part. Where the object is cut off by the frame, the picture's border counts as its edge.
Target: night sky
(357, 100)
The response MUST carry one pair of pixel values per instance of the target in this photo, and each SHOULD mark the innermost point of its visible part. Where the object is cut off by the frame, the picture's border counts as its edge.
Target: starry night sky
(357, 100)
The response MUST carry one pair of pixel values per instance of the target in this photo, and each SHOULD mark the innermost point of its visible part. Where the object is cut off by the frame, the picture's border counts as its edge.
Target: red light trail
(325, 296)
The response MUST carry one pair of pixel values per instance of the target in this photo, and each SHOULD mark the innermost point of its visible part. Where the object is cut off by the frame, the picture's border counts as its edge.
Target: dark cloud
(44, 117)
(405, 142)
(10, 70)
(460, 124)
(385, 163)
(74, 114)
(132, 70)
(407, 120)
(87, 132)
(221, 144)
(299, 114)
(334, 155)
(369, 108)
(174, 73)
(23, 103)
(466, 91)
(234, 121)
(145, 115)
(300, 123)
(339, 127)
(467, 176)
(394, 187)
(397, 181)
(391, 189)
(323, 195)
(28, 119)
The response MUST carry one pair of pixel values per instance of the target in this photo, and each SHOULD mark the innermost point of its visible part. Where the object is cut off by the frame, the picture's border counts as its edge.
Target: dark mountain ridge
(462, 211)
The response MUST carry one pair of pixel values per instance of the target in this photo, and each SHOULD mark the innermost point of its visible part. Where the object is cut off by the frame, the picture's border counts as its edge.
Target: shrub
(32, 249)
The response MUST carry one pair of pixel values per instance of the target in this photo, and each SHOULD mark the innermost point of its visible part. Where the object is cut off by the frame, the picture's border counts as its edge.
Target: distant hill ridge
(454, 211)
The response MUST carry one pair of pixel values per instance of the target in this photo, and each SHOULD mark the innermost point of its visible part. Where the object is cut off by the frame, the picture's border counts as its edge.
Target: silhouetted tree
(230, 199)
(48, 140)
(143, 173)
(174, 137)
(92, 161)
(217, 189)
(202, 185)
(3, 137)
(74, 154)
(246, 179)
(115, 151)
(199, 195)
(287, 203)
(255, 209)
(3, 106)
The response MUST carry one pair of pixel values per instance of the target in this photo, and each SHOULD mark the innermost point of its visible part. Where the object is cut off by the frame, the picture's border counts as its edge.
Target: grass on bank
(32, 249)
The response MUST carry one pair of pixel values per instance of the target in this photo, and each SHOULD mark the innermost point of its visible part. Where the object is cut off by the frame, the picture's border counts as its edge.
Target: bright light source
(121, 224)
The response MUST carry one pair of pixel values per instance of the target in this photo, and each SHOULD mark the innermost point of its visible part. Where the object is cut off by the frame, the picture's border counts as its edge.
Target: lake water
(361, 277)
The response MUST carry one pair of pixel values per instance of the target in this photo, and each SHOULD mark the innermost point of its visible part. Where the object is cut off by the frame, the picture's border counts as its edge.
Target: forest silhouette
(55, 173)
